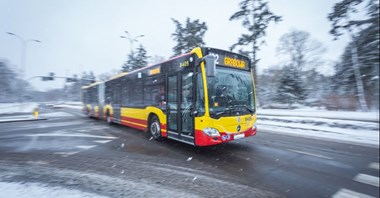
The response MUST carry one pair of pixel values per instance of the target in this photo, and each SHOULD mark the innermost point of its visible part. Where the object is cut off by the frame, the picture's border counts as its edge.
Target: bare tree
(300, 51)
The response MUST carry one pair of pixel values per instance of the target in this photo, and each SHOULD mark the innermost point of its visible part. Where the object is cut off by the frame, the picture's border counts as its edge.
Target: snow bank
(9, 108)
(343, 115)
(32, 190)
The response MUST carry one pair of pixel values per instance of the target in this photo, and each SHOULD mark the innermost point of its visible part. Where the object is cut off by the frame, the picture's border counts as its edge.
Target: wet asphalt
(72, 151)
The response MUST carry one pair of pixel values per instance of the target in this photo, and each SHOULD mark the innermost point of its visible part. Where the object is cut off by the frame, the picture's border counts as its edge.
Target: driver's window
(200, 95)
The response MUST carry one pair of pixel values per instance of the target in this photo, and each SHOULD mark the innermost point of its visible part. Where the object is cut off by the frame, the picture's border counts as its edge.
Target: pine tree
(130, 63)
(7, 82)
(344, 83)
(341, 18)
(141, 59)
(291, 89)
(269, 81)
(189, 36)
(255, 16)
(136, 60)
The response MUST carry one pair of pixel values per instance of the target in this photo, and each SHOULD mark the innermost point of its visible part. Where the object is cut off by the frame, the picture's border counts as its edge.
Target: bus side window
(160, 97)
(124, 96)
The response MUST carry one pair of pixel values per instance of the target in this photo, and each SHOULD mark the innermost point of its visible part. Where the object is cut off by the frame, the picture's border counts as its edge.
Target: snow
(353, 136)
(9, 108)
(28, 107)
(309, 112)
(11, 112)
(31, 190)
(72, 105)
(359, 128)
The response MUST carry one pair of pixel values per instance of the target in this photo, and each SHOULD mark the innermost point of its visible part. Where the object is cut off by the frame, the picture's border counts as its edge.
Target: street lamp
(23, 50)
(131, 39)
(24, 43)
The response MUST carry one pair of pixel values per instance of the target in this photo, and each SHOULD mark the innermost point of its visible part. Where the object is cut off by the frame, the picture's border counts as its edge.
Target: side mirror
(210, 65)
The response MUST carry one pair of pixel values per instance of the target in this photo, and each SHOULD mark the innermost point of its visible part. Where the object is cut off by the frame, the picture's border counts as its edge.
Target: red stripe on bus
(123, 122)
(135, 120)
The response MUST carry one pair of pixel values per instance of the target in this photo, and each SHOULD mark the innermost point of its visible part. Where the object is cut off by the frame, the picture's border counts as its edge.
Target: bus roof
(140, 69)
(195, 50)
(91, 85)
(118, 75)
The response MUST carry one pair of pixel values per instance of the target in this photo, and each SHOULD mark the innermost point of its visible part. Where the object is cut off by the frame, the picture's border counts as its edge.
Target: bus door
(180, 102)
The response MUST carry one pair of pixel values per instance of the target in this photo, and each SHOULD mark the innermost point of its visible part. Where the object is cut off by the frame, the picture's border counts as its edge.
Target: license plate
(239, 136)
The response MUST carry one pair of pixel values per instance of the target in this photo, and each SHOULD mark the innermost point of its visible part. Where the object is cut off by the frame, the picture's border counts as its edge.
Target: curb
(22, 120)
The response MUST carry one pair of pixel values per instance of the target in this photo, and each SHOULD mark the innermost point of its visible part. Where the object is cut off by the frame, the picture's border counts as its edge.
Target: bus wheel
(155, 128)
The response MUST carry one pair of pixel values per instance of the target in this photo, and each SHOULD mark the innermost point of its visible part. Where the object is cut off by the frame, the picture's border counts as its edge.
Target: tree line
(296, 78)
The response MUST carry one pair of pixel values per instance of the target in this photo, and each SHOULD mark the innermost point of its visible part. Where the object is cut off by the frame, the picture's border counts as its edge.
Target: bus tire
(155, 128)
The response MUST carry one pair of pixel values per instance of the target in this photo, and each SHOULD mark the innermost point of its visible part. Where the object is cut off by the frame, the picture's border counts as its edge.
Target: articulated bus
(204, 97)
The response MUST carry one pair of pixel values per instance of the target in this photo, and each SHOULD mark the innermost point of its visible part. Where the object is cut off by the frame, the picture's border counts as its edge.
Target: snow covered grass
(31, 190)
(360, 128)
(9, 108)
(343, 115)
(28, 107)
(71, 106)
(343, 135)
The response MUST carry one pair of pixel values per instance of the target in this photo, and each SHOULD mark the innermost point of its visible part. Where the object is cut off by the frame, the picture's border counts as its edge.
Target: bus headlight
(212, 132)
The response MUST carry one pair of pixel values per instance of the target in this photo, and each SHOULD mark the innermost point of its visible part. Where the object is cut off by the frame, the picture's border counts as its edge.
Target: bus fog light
(254, 127)
(212, 132)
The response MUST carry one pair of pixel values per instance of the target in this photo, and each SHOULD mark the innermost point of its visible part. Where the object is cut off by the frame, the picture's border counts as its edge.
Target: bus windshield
(231, 93)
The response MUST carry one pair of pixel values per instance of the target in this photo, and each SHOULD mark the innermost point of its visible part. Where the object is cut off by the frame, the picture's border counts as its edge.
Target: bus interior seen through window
(228, 89)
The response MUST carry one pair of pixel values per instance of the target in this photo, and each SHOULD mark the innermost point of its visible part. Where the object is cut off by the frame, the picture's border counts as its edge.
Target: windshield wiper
(224, 111)
(245, 106)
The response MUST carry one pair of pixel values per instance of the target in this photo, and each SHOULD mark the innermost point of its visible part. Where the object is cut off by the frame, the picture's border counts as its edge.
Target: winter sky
(84, 35)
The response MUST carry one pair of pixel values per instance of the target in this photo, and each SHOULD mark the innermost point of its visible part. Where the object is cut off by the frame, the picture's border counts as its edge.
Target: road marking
(65, 154)
(91, 128)
(37, 162)
(367, 179)
(86, 147)
(345, 193)
(311, 154)
(71, 135)
(374, 165)
(102, 141)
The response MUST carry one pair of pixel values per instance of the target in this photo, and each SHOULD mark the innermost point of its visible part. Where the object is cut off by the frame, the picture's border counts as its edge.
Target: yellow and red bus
(202, 98)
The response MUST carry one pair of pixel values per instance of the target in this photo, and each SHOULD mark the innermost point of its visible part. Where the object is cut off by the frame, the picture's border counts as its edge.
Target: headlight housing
(212, 132)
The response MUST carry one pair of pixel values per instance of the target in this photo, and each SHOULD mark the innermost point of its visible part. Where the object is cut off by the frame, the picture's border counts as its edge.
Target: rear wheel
(155, 128)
